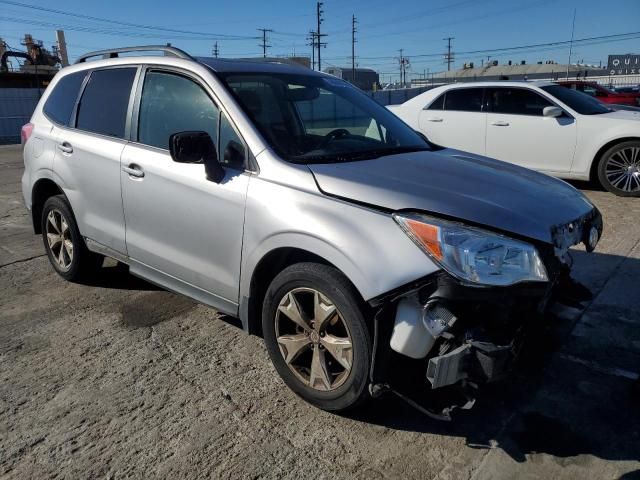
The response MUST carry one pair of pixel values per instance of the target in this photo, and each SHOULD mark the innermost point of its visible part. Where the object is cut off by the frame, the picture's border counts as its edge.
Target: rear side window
(438, 103)
(104, 103)
(517, 101)
(172, 103)
(60, 103)
(463, 100)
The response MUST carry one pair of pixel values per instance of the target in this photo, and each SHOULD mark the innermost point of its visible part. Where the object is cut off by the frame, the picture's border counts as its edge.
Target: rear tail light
(25, 133)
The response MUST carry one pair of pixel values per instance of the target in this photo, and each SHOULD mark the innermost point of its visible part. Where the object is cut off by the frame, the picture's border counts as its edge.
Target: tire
(69, 257)
(324, 372)
(619, 169)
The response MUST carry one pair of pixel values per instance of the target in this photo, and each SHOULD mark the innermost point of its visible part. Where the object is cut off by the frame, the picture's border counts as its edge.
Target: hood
(456, 184)
(622, 114)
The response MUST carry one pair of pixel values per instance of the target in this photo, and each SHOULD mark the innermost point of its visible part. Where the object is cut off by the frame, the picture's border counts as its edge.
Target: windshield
(580, 102)
(312, 118)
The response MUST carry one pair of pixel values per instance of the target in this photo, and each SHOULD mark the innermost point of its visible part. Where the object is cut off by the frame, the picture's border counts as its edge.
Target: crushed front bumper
(478, 361)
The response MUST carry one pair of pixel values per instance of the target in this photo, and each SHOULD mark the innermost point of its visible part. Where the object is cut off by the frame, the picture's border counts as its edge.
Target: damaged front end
(458, 334)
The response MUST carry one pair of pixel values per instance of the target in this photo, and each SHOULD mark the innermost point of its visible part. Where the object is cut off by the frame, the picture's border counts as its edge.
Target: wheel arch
(272, 263)
(593, 172)
(43, 189)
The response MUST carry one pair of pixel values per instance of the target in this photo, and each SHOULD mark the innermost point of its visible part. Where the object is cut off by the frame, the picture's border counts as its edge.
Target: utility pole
(573, 27)
(312, 44)
(353, 48)
(319, 42)
(448, 56)
(216, 50)
(403, 61)
(264, 44)
(62, 48)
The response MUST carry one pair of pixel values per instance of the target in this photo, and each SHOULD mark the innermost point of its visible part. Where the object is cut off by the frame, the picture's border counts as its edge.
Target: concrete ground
(117, 378)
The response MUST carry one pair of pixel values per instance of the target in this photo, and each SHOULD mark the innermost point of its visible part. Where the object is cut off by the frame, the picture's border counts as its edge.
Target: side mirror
(234, 155)
(196, 147)
(553, 112)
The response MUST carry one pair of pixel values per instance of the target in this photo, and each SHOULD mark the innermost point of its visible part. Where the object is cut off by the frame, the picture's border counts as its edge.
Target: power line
(216, 50)
(118, 22)
(264, 44)
(114, 32)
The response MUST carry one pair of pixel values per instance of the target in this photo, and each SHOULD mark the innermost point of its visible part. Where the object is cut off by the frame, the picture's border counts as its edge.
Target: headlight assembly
(472, 254)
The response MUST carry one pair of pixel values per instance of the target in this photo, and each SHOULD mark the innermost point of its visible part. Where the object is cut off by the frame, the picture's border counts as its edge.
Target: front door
(182, 230)
(517, 131)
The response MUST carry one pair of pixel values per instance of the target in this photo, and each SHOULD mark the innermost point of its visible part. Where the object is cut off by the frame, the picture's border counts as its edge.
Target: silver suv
(288, 198)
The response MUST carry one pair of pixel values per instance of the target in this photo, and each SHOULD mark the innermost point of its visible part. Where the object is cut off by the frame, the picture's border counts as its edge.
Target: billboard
(626, 64)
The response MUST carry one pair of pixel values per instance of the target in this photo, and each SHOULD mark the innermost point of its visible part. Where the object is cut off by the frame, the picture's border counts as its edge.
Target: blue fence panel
(16, 107)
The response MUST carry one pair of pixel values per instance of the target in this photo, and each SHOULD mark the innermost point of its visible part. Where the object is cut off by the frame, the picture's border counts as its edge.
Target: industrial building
(509, 71)
(364, 78)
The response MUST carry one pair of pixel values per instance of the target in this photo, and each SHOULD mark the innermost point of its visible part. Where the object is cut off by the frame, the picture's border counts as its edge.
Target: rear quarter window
(438, 103)
(62, 99)
(105, 101)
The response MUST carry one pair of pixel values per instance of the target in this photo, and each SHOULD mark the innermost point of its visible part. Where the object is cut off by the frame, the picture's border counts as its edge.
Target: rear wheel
(316, 335)
(63, 243)
(619, 169)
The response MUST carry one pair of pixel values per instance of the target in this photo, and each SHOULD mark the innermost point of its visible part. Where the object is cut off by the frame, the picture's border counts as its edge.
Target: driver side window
(173, 103)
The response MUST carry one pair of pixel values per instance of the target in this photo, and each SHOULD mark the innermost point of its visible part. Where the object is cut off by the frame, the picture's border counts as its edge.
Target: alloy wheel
(59, 239)
(313, 339)
(622, 169)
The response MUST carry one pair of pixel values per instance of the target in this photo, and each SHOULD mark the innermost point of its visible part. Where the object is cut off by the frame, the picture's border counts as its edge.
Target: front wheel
(316, 335)
(619, 169)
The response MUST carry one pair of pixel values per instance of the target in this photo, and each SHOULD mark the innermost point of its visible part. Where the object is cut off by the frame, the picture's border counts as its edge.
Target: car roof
(268, 65)
(174, 56)
(500, 83)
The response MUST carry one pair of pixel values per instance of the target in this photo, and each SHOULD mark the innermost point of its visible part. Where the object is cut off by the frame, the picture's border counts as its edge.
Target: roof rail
(114, 52)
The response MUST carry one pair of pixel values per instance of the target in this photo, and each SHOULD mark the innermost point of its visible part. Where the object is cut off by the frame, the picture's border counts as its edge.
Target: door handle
(65, 147)
(134, 171)
(434, 119)
(500, 123)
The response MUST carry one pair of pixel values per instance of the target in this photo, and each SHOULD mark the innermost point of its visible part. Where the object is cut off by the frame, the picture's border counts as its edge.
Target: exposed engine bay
(461, 336)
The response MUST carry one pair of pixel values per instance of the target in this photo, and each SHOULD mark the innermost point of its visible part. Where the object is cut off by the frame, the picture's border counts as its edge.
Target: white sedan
(542, 126)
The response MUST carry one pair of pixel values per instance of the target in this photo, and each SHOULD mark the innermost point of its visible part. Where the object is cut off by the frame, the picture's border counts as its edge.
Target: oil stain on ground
(153, 308)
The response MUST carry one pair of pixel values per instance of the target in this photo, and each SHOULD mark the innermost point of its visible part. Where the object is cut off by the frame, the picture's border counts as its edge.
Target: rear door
(456, 119)
(517, 131)
(184, 231)
(88, 155)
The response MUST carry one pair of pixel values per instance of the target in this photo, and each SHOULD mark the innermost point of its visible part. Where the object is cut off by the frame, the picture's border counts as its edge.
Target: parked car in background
(288, 198)
(603, 94)
(633, 89)
(539, 125)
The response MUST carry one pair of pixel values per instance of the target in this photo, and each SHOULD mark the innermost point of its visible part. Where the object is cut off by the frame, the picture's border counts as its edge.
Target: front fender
(366, 245)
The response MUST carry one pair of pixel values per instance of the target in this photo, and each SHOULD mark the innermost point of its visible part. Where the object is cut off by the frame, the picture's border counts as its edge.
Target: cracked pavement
(119, 378)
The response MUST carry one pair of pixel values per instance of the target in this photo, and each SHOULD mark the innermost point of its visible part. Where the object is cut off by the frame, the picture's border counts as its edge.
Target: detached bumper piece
(478, 362)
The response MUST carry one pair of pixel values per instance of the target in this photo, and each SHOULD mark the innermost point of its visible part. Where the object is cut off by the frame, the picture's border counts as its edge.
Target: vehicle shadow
(575, 389)
(116, 275)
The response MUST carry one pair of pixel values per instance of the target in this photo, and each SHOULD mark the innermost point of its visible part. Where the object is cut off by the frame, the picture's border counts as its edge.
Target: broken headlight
(472, 254)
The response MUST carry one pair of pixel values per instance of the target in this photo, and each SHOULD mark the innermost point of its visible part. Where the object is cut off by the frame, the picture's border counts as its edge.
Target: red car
(603, 94)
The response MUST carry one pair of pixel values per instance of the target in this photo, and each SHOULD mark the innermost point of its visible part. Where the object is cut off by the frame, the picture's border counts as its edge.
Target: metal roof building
(494, 71)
